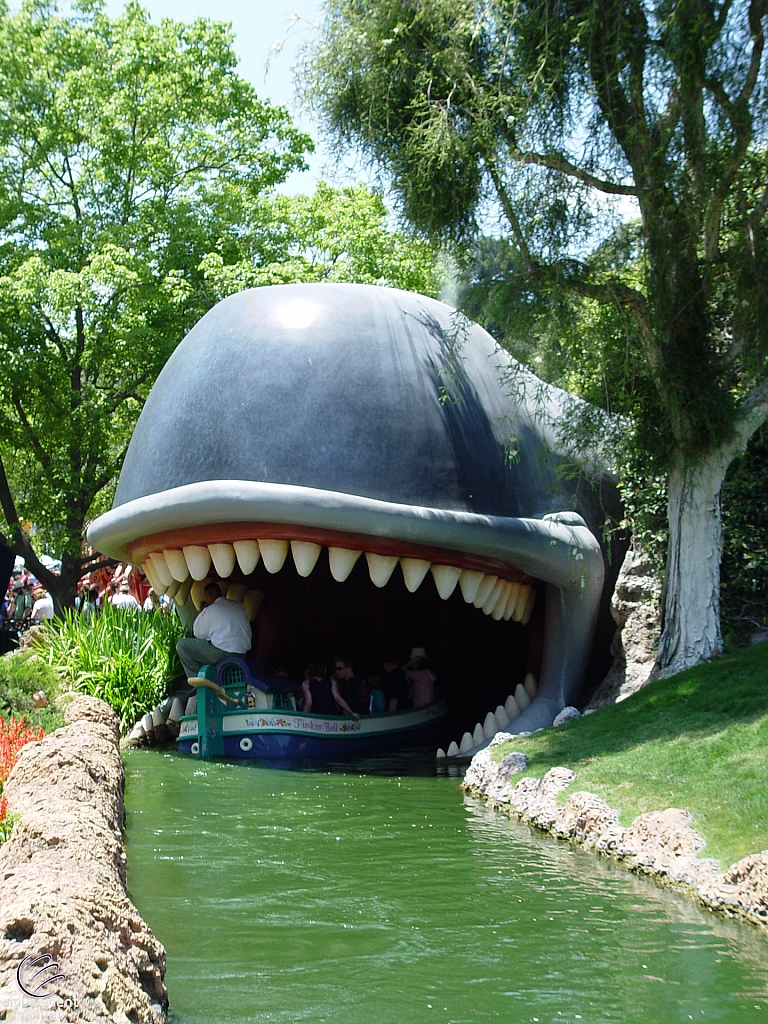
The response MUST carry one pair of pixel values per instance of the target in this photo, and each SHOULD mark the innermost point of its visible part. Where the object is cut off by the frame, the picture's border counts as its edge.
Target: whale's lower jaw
(249, 535)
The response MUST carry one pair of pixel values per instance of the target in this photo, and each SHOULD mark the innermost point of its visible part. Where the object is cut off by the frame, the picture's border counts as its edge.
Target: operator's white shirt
(224, 624)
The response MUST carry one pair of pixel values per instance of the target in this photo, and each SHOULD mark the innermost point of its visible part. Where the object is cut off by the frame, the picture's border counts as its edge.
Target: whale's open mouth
(321, 572)
(313, 592)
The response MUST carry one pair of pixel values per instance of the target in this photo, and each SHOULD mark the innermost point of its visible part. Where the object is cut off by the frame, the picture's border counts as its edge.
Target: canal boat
(241, 712)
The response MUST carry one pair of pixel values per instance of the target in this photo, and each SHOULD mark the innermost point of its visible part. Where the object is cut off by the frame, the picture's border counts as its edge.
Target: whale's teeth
(528, 607)
(440, 754)
(469, 582)
(149, 572)
(197, 593)
(198, 559)
(530, 685)
(466, 743)
(511, 707)
(414, 571)
(273, 552)
(162, 571)
(478, 736)
(177, 564)
(514, 590)
(501, 716)
(490, 727)
(248, 555)
(522, 698)
(183, 592)
(522, 599)
(446, 578)
(487, 585)
(493, 597)
(453, 748)
(501, 603)
(252, 601)
(342, 562)
(223, 557)
(235, 592)
(380, 567)
(173, 589)
(305, 556)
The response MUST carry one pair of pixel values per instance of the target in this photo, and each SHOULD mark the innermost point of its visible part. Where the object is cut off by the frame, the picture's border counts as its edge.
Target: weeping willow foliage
(126, 658)
(745, 551)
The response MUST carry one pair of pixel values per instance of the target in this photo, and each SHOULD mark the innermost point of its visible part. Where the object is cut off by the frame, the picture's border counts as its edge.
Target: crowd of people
(27, 602)
(395, 688)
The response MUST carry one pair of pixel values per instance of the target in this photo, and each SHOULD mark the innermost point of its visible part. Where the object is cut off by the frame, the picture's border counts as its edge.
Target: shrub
(22, 676)
(126, 658)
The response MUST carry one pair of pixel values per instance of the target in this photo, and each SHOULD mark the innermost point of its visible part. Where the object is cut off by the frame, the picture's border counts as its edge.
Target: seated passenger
(378, 700)
(354, 690)
(221, 628)
(321, 694)
(421, 676)
(395, 685)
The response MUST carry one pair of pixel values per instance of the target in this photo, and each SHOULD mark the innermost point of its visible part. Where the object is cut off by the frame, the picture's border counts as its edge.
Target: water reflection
(384, 895)
(415, 761)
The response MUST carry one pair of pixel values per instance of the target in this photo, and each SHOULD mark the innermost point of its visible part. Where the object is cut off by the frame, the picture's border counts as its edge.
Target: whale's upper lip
(557, 549)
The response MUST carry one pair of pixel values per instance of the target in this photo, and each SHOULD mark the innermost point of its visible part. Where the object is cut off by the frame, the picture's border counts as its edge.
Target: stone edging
(660, 843)
(62, 881)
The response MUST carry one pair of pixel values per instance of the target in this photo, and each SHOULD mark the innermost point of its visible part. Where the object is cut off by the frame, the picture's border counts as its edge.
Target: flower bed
(14, 734)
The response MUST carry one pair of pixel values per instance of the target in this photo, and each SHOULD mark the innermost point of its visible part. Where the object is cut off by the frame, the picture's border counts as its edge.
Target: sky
(258, 24)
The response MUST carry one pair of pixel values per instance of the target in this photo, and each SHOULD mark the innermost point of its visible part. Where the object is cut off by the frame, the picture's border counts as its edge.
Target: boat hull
(289, 734)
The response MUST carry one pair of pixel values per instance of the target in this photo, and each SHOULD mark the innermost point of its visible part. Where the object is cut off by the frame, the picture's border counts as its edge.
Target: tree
(137, 176)
(332, 235)
(553, 113)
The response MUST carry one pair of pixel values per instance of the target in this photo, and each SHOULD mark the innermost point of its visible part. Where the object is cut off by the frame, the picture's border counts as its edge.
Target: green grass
(698, 740)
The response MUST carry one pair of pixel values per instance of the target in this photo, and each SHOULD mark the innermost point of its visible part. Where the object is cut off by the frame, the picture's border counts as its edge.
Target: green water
(286, 896)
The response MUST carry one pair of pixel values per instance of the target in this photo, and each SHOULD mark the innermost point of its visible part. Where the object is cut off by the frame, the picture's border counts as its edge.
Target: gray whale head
(333, 418)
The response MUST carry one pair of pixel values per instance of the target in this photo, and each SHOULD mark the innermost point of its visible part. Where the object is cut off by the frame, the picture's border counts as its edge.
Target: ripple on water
(383, 896)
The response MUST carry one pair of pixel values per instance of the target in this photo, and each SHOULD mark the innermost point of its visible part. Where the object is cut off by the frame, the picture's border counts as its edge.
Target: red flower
(14, 734)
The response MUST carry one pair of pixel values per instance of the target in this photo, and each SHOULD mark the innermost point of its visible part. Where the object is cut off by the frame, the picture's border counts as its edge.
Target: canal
(385, 896)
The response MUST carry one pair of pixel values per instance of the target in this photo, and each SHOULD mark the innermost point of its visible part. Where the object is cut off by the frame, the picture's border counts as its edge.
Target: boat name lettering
(304, 724)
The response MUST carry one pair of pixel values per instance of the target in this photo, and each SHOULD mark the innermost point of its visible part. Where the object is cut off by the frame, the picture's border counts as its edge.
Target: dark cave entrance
(478, 661)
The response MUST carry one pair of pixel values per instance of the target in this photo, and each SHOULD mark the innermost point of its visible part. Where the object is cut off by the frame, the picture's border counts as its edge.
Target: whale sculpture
(307, 441)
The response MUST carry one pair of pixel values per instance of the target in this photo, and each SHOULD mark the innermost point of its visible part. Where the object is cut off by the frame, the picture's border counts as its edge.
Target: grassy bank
(698, 740)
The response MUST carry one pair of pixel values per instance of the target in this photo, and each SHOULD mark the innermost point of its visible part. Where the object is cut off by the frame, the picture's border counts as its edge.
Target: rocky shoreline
(660, 843)
(62, 881)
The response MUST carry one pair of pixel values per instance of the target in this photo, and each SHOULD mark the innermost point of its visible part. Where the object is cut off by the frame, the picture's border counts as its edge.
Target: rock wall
(660, 843)
(635, 610)
(62, 881)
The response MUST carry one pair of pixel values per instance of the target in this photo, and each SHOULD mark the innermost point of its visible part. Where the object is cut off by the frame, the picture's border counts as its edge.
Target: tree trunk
(63, 588)
(691, 597)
